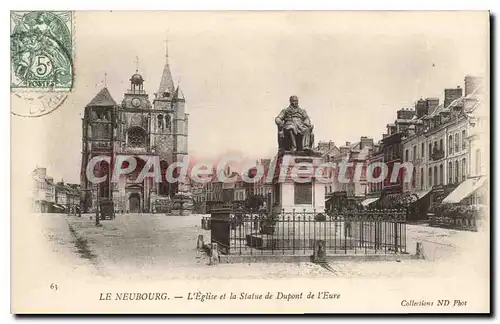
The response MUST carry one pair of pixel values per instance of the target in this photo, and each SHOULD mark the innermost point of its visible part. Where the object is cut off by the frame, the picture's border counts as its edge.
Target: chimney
(432, 104)
(365, 142)
(421, 108)
(451, 95)
(473, 84)
(41, 172)
(347, 143)
(405, 113)
(265, 162)
(344, 150)
(325, 146)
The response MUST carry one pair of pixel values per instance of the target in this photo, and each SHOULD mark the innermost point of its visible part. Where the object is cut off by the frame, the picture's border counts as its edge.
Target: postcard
(250, 162)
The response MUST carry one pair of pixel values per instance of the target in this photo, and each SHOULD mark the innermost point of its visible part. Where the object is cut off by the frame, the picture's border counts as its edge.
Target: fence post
(221, 227)
(319, 253)
(377, 219)
(420, 251)
(395, 216)
(214, 254)
(200, 243)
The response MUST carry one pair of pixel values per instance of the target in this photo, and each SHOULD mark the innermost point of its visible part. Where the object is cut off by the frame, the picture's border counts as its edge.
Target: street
(164, 247)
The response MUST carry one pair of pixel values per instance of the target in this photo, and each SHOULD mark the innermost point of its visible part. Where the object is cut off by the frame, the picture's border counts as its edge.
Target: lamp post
(151, 190)
(97, 211)
(96, 188)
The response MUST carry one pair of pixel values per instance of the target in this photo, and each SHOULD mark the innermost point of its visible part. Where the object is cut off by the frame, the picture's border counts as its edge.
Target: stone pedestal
(296, 194)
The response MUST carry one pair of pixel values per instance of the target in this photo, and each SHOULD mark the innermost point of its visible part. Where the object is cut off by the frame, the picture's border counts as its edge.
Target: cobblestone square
(147, 246)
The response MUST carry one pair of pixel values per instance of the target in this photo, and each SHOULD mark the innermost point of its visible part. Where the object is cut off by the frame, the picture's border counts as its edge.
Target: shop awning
(464, 190)
(369, 201)
(423, 193)
(59, 206)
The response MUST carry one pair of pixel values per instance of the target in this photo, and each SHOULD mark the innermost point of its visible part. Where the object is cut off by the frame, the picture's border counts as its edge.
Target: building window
(430, 177)
(441, 174)
(414, 152)
(456, 171)
(430, 150)
(413, 178)
(457, 143)
(422, 178)
(435, 175)
(463, 140)
(478, 162)
(423, 150)
(464, 173)
(406, 155)
(450, 173)
(441, 144)
(450, 144)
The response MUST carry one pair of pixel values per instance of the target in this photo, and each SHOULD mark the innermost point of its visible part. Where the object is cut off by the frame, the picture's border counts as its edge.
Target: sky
(351, 72)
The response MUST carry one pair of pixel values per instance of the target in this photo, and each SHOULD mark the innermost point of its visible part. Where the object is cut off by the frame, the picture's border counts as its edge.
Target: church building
(138, 127)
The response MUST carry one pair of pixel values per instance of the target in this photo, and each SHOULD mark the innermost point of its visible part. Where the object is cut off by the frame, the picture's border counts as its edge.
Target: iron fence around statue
(238, 232)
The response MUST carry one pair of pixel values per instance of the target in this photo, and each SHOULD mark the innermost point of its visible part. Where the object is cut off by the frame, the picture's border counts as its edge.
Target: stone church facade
(137, 127)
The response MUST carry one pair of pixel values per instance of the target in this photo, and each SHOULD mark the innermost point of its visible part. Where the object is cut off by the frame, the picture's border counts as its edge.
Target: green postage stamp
(41, 49)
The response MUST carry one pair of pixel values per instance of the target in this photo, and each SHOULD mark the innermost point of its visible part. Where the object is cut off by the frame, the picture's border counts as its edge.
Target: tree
(254, 202)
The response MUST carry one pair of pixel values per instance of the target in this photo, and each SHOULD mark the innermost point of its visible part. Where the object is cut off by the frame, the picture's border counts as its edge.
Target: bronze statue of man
(294, 128)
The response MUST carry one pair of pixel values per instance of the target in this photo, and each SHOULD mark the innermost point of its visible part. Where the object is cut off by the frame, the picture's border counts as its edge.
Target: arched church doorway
(135, 202)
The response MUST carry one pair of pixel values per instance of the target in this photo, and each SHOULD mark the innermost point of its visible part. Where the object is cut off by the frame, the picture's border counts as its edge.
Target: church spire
(166, 48)
(167, 87)
(179, 95)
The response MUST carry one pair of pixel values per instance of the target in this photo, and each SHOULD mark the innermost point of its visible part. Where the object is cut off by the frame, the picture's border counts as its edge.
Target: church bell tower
(169, 131)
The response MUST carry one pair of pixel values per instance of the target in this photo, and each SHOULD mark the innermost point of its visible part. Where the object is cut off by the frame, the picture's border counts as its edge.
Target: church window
(136, 137)
(168, 123)
(161, 124)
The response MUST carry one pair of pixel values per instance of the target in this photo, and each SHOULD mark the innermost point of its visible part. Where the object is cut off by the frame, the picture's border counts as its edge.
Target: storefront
(55, 208)
(419, 206)
(336, 200)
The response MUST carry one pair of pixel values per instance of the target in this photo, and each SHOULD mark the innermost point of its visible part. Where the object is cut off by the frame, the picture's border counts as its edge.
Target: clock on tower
(136, 102)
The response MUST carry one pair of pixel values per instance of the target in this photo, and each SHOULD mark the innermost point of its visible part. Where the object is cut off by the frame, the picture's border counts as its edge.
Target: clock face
(136, 102)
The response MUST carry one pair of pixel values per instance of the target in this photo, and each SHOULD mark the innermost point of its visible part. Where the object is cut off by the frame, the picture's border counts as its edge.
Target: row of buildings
(447, 144)
(50, 197)
(216, 192)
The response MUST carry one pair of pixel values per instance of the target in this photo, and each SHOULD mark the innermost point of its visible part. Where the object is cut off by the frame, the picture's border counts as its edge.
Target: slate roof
(166, 82)
(102, 99)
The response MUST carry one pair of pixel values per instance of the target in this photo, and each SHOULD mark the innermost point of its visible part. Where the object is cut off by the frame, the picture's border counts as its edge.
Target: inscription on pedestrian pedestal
(303, 193)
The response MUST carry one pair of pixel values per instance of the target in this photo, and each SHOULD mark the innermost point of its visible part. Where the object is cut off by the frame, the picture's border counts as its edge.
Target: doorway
(134, 202)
